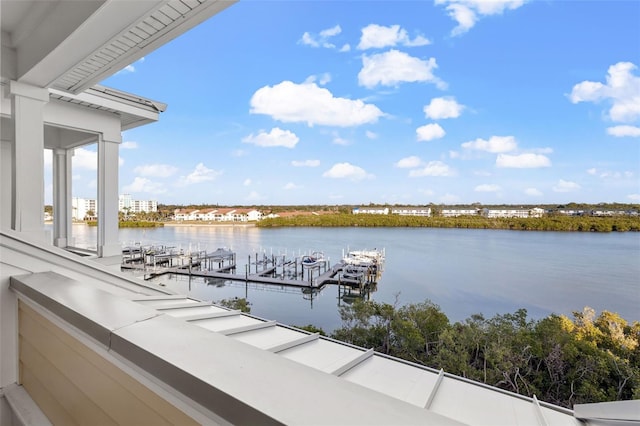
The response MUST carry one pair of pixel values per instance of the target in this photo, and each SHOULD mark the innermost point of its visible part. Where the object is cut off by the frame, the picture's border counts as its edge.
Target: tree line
(561, 360)
(545, 223)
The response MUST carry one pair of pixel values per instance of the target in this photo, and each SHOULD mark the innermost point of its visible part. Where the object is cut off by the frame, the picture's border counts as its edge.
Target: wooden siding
(74, 385)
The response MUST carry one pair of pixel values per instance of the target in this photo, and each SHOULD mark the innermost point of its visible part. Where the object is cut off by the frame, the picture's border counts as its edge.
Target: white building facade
(370, 210)
(127, 204)
(83, 208)
(412, 211)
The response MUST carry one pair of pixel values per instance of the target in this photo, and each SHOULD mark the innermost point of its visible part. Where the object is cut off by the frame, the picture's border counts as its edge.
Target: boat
(368, 258)
(353, 272)
(313, 259)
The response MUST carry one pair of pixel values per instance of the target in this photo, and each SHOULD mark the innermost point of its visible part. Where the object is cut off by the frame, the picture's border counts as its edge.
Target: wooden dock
(331, 276)
(270, 270)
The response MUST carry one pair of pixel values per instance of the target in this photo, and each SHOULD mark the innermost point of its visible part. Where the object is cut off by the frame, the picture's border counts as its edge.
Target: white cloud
(467, 12)
(323, 79)
(339, 140)
(142, 184)
(239, 153)
(427, 192)
(440, 108)
(200, 174)
(394, 67)
(622, 131)
(409, 162)
(495, 144)
(607, 174)
(454, 154)
(322, 39)
(276, 137)
(634, 197)
(522, 161)
(305, 163)
(48, 158)
(289, 186)
(622, 90)
(308, 103)
(533, 192)
(378, 36)
(429, 132)
(347, 170)
(156, 170)
(565, 186)
(85, 159)
(129, 145)
(330, 32)
(247, 182)
(131, 67)
(487, 188)
(371, 135)
(433, 168)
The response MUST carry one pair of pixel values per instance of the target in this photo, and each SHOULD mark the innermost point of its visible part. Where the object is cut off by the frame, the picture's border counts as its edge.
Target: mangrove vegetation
(545, 223)
(565, 361)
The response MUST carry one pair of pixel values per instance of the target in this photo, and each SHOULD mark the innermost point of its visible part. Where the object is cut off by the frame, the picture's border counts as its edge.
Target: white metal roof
(454, 397)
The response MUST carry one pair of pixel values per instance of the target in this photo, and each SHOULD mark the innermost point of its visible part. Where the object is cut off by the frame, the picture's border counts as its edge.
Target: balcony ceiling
(71, 45)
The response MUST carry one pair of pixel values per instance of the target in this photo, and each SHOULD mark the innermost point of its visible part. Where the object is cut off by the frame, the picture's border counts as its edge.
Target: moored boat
(312, 259)
(373, 257)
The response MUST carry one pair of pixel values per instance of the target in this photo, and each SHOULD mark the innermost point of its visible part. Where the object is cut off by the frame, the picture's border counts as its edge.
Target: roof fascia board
(103, 100)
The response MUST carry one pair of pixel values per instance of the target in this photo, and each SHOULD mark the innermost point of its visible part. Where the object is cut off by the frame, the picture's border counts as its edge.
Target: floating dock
(272, 270)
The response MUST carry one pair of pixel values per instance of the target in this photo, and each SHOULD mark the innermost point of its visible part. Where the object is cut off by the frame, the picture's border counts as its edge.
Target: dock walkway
(331, 276)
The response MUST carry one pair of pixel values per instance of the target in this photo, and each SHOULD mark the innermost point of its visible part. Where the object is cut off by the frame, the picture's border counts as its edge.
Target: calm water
(463, 271)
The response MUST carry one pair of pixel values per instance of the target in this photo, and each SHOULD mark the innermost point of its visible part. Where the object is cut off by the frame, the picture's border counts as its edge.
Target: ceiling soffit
(72, 48)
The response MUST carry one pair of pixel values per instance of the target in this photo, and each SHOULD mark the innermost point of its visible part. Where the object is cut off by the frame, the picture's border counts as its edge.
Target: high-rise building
(82, 208)
(126, 203)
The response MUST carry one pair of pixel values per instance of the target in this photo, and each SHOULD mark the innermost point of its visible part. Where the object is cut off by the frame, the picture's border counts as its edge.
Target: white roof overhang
(71, 46)
(73, 120)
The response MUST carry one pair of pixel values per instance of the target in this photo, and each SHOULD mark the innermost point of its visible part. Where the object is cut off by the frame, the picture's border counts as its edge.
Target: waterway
(464, 271)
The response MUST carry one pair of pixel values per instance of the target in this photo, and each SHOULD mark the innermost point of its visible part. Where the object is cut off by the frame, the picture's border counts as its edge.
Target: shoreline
(211, 224)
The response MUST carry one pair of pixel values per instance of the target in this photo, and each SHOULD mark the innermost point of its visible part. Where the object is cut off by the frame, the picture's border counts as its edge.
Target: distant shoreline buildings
(504, 212)
(87, 208)
(217, 215)
(84, 208)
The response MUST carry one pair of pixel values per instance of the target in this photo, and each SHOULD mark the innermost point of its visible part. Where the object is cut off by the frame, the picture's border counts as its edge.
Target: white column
(6, 157)
(108, 244)
(27, 103)
(62, 209)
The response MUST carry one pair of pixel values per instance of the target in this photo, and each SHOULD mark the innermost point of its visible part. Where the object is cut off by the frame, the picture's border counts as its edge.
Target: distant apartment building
(518, 213)
(459, 212)
(370, 210)
(218, 215)
(127, 204)
(411, 211)
(82, 208)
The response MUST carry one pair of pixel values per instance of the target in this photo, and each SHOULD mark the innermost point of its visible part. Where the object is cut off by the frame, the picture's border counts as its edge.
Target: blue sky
(403, 102)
